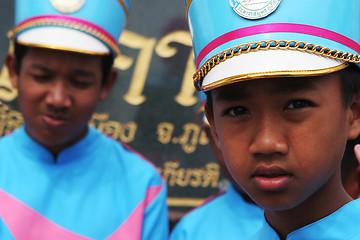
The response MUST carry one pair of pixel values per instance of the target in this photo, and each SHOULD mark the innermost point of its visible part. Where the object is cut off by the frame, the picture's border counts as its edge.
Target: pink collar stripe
(26, 223)
(69, 19)
(273, 28)
(132, 227)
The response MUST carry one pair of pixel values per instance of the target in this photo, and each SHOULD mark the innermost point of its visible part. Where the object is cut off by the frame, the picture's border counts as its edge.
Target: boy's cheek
(215, 136)
(213, 129)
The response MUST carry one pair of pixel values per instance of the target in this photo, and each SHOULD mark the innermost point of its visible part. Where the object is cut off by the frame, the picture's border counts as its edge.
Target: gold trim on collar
(269, 45)
(184, 202)
(124, 7)
(273, 74)
(201, 109)
(188, 2)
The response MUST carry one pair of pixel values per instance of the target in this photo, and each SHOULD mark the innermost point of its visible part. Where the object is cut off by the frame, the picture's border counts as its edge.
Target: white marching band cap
(239, 40)
(85, 26)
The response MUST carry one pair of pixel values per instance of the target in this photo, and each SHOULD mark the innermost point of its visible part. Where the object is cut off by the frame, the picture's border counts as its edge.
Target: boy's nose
(58, 95)
(269, 139)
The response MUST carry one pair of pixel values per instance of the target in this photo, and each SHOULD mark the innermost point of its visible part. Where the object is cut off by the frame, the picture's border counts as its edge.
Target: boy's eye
(80, 83)
(298, 104)
(41, 77)
(236, 111)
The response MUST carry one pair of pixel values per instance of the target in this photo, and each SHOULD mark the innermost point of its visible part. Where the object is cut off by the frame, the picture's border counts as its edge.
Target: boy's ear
(358, 179)
(210, 118)
(108, 84)
(11, 63)
(354, 130)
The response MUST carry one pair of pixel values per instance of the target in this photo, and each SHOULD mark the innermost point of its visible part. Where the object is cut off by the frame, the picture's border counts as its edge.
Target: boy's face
(282, 139)
(57, 93)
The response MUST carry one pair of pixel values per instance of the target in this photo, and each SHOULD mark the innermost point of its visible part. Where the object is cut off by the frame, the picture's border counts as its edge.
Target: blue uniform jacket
(96, 189)
(227, 217)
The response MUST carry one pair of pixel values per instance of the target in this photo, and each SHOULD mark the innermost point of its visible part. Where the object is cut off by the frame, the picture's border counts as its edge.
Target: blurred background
(153, 107)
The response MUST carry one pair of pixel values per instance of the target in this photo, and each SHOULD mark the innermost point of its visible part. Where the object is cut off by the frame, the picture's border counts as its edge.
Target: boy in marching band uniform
(60, 178)
(229, 215)
(283, 99)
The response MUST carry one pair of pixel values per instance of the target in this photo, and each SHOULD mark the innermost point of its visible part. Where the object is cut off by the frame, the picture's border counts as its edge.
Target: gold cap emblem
(67, 6)
(254, 9)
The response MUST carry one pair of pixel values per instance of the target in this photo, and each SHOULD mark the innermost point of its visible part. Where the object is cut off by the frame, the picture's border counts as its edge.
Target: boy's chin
(276, 201)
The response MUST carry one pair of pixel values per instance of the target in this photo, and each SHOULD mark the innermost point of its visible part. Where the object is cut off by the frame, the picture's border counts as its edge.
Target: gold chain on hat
(269, 45)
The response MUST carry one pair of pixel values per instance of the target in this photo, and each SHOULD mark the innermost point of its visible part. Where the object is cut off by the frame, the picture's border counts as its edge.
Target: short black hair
(350, 85)
(106, 62)
(350, 82)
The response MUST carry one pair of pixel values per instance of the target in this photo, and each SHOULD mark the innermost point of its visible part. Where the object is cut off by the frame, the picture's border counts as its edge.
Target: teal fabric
(226, 217)
(344, 224)
(4, 231)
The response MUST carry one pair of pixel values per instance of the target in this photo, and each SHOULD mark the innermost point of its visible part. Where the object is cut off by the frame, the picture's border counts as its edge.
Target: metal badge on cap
(254, 9)
(67, 6)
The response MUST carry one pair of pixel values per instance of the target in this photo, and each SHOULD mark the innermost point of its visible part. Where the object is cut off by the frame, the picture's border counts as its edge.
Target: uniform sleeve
(156, 223)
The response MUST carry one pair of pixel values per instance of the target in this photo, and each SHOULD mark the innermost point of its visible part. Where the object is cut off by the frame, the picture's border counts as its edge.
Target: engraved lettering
(146, 46)
(186, 95)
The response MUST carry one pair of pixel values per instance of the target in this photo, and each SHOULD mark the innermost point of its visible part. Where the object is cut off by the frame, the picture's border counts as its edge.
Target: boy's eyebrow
(293, 86)
(233, 95)
(284, 87)
(81, 72)
(84, 73)
(40, 67)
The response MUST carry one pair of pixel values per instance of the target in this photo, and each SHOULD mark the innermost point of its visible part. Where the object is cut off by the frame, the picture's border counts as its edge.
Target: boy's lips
(54, 121)
(271, 178)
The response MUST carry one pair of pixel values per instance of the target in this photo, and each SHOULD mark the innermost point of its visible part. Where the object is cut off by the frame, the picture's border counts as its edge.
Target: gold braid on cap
(126, 10)
(269, 45)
